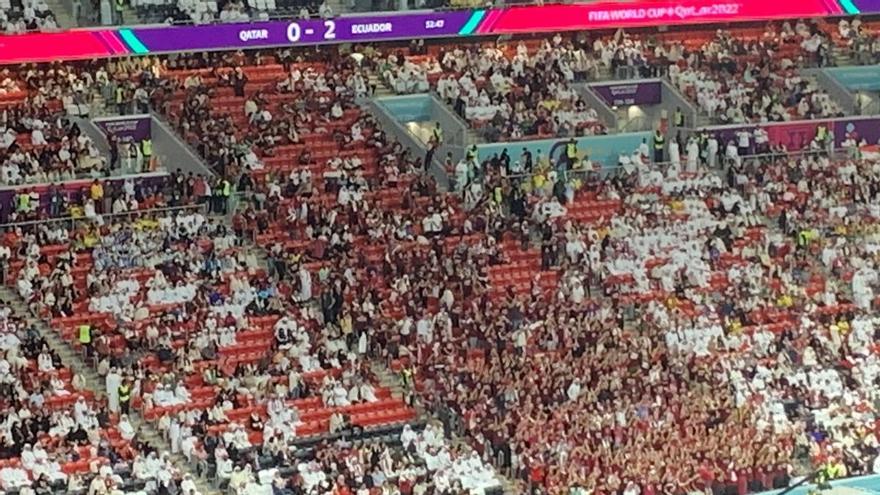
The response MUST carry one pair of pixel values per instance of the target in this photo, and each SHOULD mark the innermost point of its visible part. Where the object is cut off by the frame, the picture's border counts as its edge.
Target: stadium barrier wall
(672, 99)
(856, 78)
(412, 107)
(797, 135)
(593, 100)
(72, 189)
(602, 150)
(838, 92)
(859, 484)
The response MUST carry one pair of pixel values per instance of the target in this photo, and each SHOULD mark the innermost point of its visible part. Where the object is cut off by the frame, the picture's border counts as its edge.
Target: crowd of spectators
(510, 92)
(40, 143)
(706, 325)
(20, 16)
(247, 120)
(737, 80)
(209, 11)
(684, 320)
(520, 89)
(55, 435)
(860, 38)
(139, 286)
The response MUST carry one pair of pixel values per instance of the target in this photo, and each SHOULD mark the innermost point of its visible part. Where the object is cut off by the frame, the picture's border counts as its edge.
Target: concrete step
(63, 14)
(474, 137)
(339, 6)
(74, 360)
(382, 90)
(129, 17)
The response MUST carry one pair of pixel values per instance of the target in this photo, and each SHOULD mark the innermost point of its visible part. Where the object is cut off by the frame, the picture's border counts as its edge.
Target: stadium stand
(704, 324)
(205, 11)
(509, 92)
(25, 15)
(736, 76)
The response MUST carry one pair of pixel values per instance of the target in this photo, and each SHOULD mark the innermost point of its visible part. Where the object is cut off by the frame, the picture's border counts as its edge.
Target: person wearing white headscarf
(126, 430)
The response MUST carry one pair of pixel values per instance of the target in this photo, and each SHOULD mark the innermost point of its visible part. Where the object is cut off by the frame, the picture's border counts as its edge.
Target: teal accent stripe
(849, 7)
(473, 22)
(132, 41)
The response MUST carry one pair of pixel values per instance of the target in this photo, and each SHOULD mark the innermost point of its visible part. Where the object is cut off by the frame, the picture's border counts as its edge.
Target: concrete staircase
(474, 137)
(382, 89)
(97, 106)
(339, 6)
(129, 15)
(76, 362)
(703, 120)
(63, 13)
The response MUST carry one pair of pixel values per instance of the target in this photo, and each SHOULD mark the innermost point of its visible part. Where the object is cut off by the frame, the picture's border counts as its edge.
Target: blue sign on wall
(411, 108)
(864, 78)
(603, 150)
(867, 485)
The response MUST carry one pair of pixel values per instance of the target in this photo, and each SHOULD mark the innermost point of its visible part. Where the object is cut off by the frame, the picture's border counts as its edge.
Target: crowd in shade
(242, 121)
(210, 11)
(509, 92)
(21, 16)
(518, 89)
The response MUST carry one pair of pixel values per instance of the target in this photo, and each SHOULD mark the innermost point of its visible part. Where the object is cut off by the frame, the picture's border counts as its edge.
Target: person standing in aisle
(147, 153)
(124, 394)
(85, 338)
(659, 145)
(119, 7)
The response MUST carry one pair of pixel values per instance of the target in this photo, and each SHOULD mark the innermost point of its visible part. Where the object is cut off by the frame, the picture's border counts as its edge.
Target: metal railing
(73, 220)
(566, 174)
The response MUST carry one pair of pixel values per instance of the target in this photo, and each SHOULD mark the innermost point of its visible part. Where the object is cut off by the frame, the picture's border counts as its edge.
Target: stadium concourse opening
(441, 264)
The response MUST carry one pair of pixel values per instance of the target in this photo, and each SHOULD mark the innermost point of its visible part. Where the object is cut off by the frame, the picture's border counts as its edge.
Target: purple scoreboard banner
(303, 32)
(636, 93)
(131, 128)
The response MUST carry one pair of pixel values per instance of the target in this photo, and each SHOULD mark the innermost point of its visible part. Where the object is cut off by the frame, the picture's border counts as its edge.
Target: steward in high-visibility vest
(85, 334)
(119, 7)
(659, 144)
(571, 152)
(24, 202)
(406, 374)
(678, 118)
(471, 154)
(147, 152)
(147, 148)
(124, 392)
(821, 133)
(120, 100)
(85, 338)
